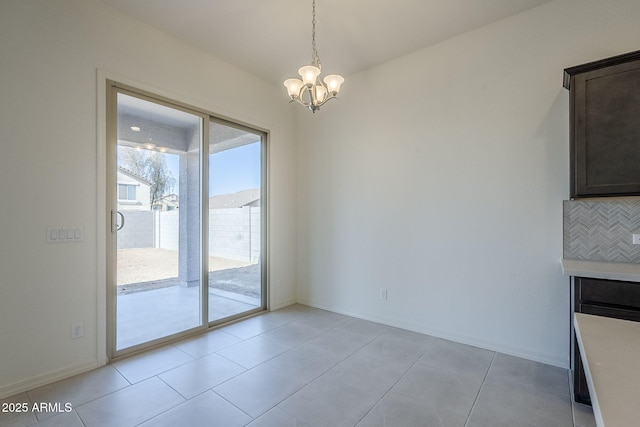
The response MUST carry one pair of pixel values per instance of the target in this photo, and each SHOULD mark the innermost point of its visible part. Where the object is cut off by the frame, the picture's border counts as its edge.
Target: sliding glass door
(157, 220)
(185, 195)
(235, 220)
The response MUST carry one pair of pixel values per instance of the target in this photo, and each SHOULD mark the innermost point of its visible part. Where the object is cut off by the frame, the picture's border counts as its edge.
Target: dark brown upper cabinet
(605, 126)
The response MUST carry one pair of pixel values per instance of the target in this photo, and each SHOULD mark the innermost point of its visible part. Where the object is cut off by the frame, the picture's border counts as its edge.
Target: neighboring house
(240, 199)
(167, 203)
(134, 192)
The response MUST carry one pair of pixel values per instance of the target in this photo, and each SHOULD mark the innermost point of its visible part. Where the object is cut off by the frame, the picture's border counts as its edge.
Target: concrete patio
(147, 315)
(153, 303)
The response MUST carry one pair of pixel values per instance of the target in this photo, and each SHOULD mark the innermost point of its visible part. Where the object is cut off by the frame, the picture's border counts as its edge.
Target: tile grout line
(302, 386)
(168, 409)
(174, 345)
(398, 380)
(129, 386)
(271, 358)
(328, 369)
(466, 423)
(232, 404)
(145, 353)
(75, 407)
(261, 363)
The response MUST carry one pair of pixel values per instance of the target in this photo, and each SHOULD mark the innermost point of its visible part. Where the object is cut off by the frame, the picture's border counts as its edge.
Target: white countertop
(601, 270)
(610, 350)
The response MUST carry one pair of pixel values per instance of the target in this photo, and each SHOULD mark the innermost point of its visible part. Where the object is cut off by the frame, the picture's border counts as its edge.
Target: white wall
(52, 170)
(452, 164)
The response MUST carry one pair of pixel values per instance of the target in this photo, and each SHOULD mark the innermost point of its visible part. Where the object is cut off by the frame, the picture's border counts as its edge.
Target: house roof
(130, 174)
(234, 200)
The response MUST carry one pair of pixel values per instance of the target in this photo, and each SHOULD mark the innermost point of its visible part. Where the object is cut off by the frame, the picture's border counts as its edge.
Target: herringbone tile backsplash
(601, 230)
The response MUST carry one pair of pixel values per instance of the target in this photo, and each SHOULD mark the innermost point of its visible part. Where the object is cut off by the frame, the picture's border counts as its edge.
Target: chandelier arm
(300, 97)
(312, 95)
(328, 98)
(299, 101)
(326, 89)
(304, 104)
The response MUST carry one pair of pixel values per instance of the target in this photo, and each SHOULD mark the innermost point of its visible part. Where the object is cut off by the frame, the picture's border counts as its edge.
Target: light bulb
(321, 94)
(293, 87)
(333, 83)
(309, 73)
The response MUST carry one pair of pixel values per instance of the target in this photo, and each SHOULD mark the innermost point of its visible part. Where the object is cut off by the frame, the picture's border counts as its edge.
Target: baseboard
(511, 351)
(48, 378)
(282, 305)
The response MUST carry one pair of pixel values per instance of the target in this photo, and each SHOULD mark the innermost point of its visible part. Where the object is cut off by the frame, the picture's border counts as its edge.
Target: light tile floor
(301, 366)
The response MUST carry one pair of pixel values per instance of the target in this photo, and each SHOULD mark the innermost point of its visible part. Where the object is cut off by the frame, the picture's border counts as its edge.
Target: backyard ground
(143, 269)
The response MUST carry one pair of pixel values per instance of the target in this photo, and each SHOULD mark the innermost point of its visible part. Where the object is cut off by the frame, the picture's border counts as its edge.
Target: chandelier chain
(315, 58)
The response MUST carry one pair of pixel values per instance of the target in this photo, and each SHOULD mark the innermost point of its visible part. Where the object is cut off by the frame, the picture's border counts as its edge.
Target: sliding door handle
(119, 227)
(115, 226)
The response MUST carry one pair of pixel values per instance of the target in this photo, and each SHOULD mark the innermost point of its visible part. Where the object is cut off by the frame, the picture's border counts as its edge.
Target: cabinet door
(605, 121)
(609, 298)
(612, 293)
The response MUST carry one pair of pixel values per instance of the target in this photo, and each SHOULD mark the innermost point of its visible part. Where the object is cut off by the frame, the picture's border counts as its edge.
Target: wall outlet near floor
(383, 294)
(77, 330)
(635, 239)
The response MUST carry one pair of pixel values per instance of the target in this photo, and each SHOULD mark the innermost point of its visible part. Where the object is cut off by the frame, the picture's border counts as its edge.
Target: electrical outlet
(77, 330)
(635, 239)
(383, 294)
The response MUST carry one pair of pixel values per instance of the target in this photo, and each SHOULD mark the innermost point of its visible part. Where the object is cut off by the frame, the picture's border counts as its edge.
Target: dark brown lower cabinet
(609, 298)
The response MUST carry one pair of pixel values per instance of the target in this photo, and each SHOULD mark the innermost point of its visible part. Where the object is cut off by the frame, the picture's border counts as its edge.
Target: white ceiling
(272, 38)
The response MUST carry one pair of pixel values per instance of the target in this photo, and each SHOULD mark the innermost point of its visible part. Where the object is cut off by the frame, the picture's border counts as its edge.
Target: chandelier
(310, 91)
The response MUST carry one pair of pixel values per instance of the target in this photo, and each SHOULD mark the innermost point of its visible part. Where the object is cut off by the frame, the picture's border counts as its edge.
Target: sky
(234, 170)
(230, 171)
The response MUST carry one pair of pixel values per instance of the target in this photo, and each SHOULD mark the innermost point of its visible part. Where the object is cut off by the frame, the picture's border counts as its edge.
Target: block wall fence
(233, 233)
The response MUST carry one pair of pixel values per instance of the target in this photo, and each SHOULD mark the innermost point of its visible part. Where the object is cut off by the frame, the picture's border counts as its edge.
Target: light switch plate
(635, 239)
(65, 234)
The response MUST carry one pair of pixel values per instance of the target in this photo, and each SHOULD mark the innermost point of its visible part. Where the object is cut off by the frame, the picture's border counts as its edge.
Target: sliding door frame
(112, 90)
(264, 222)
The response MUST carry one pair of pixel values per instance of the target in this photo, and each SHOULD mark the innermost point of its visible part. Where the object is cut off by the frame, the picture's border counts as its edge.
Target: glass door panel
(235, 221)
(158, 262)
